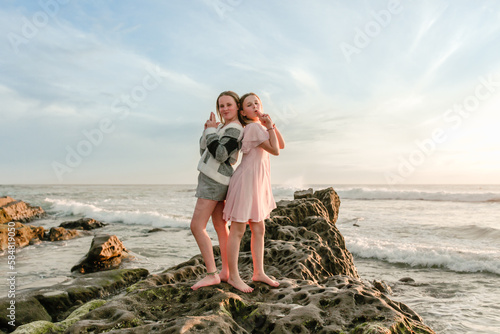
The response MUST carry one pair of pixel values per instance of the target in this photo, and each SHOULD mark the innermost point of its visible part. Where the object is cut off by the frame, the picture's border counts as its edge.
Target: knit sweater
(219, 151)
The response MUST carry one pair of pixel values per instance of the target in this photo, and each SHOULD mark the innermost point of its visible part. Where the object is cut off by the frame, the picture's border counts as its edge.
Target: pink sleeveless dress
(250, 197)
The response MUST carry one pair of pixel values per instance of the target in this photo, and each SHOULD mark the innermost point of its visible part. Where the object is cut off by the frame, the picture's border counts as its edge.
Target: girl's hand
(212, 122)
(266, 120)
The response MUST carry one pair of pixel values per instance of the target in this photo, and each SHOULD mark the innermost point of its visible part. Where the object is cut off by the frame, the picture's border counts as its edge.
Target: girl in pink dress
(249, 197)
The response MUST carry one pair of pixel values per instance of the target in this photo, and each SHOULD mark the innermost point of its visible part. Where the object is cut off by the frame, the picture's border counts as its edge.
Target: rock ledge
(320, 290)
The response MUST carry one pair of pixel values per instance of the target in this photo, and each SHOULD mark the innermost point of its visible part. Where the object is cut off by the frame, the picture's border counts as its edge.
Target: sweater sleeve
(203, 143)
(222, 148)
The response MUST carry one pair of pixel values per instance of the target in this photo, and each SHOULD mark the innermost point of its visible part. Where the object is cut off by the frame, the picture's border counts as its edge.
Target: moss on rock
(28, 309)
(37, 327)
(43, 327)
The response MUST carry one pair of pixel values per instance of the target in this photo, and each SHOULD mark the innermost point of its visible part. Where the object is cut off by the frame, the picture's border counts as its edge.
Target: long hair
(243, 120)
(236, 99)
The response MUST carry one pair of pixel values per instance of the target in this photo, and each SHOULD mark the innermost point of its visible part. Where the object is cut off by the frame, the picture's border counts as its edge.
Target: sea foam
(64, 207)
(431, 256)
(365, 193)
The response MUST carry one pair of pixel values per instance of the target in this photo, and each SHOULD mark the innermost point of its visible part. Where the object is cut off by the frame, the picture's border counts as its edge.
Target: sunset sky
(384, 92)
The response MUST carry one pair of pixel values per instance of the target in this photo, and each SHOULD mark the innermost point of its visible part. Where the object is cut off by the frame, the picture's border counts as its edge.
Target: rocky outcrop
(106, 252)
(309, 193)
(25, 235)
(12, 214)
(319, 292)
(55, 303)
(85, 224)
(305, 228)
(60, 233)
(45, 326)
(4, 200)
(12, 210)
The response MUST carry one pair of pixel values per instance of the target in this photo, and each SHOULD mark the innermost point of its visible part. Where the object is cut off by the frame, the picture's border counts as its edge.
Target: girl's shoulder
(234, 125)
(255, 132)
(254, 126)
(233, 129)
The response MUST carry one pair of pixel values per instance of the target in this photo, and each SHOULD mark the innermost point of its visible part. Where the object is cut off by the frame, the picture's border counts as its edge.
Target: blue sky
(383, 92)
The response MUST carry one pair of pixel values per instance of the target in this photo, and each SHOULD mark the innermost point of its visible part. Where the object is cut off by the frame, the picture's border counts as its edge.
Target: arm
(203, 143)
(272, 145)
(281, 141)
(203, 140)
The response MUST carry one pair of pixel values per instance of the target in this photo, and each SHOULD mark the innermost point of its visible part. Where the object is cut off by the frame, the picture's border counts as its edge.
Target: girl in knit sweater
(219, 146)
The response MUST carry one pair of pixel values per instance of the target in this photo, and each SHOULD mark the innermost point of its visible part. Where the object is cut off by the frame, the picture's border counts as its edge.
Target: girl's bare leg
(233, 250)
(257, 243)
(222, 230)
(202, 212)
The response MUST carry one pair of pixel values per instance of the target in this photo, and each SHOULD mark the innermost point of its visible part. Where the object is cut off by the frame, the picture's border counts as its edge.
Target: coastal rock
(12, 214)
(38, 232)
(324, 203)
(382, 287)
(303, 194)
(106, 252)
(55, 303)
(23, 234)
(60, 233)
(35, 241)
(4, 216)
(339, 304)
(319, 292)
(12, 210)
(28, 235)
(27, 310)
(157, 229)
(6, 200)
(331, 201)
(407, 280)
(43, 326)
(85, 224)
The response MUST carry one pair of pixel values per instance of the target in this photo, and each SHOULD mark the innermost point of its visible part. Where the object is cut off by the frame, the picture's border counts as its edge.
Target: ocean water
(445, 237)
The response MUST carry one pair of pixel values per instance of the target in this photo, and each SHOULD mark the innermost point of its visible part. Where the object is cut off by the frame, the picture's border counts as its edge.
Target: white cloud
(340, 121)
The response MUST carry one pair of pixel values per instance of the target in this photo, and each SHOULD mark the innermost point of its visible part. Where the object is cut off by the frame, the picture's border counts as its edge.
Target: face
(251, 107)
(228, 108)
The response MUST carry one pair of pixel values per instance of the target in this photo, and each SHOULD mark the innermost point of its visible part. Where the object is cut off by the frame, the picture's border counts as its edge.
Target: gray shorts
(210, 189)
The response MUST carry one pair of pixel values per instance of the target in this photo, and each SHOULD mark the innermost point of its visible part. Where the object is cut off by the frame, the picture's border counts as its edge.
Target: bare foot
(207, 281)
(240, 285)
(224, 275)
(265, 279)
